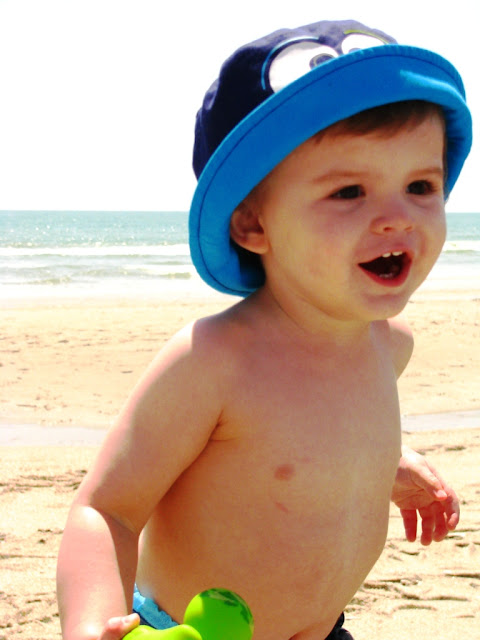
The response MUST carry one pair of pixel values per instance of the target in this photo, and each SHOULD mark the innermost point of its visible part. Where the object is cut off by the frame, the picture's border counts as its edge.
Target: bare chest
(309, 442)
(333, 411)
(286, 491)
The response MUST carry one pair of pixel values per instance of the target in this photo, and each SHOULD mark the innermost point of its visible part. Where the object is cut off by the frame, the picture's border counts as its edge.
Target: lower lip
(390, 282)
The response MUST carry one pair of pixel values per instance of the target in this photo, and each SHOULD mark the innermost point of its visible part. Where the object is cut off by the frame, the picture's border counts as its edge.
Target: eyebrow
(332, 175)
(358, 175)
(436, 170)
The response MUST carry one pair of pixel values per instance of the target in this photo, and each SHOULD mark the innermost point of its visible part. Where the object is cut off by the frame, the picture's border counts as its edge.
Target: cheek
(327, 252)
(439, 231)
(443, 227)
(434, 234)
(335, 236)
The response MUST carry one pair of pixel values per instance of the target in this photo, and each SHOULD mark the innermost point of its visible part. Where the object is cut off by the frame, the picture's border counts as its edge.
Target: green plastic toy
(180, 632)
(215, 614)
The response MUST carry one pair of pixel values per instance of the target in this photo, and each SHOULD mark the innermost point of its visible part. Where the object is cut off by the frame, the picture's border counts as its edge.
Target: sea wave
(167, 250)
(96, 278)
(461, 246)
(97, 251)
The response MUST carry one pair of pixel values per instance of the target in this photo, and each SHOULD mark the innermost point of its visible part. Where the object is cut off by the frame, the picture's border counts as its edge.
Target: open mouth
(390, 266)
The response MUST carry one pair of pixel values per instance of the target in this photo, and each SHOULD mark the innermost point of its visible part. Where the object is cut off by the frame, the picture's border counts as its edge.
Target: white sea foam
(462, 246)
(98, 250)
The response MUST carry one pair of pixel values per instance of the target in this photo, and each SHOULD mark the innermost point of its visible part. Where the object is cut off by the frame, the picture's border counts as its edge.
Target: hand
(419, 487)
(117, 628)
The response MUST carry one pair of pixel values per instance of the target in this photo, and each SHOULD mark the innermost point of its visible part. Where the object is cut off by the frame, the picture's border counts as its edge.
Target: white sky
(98, 97)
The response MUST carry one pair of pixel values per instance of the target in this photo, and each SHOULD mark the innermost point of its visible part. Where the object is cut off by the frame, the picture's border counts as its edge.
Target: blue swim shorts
(149, 612)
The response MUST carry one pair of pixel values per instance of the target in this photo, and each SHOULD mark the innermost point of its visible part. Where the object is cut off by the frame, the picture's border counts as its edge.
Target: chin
(389, 306)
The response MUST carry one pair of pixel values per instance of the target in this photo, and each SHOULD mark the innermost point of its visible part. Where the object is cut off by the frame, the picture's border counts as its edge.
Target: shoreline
(37, 435)
(196, 291)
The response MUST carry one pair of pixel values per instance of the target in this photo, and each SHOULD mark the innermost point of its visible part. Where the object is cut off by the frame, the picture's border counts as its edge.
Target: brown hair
(387, 119)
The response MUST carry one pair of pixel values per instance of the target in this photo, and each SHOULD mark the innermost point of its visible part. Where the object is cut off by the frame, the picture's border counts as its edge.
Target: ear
(246, 228)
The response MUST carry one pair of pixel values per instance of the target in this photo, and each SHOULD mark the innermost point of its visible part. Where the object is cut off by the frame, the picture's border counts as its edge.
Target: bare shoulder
(191, 369)
(174, 410)
(208, 342)
(401, 340)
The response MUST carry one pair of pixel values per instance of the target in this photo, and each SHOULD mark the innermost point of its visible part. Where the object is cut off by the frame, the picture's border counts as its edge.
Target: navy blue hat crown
(243, 81)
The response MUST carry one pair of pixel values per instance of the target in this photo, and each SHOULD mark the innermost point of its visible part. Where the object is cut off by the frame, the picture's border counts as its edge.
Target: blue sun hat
(276, 92)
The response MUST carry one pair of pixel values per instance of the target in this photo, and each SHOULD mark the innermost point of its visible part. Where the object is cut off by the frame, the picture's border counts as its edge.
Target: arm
(418, 486)
(171, 413)
(96, 572)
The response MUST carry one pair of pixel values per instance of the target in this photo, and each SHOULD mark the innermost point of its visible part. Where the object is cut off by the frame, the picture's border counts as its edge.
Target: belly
(294, 535)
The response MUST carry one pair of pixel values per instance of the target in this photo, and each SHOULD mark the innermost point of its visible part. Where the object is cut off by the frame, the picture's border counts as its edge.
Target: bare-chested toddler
(262, 448)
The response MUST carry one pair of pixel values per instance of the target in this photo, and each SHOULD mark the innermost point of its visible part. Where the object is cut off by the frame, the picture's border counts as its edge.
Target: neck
(309, 324)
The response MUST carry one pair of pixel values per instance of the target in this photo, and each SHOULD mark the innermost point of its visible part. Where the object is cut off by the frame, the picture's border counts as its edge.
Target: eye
(348, 193)
(356, 41)
(324, 56)
(295, 60)
(421, 188)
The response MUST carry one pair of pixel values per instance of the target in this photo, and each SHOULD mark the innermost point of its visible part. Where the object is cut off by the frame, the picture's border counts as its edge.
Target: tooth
(387, 255)
(397, 253)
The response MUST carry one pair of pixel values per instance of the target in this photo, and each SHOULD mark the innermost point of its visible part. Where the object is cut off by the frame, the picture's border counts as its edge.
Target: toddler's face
(355, 220)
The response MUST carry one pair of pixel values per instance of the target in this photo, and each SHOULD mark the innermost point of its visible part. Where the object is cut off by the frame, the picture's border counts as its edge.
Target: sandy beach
(71, 364)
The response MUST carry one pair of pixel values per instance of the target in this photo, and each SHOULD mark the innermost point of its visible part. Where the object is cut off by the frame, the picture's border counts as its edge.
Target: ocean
(53, 254)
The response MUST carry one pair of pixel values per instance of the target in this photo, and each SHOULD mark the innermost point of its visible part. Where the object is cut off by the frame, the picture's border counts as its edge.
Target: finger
(410, 523)
(448, 516)
(452, 510)
(453, 520)
(440, 531)
(428, 525)
(117, 628)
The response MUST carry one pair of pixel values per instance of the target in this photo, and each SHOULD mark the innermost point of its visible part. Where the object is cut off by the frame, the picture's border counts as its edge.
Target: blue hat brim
(327, 94)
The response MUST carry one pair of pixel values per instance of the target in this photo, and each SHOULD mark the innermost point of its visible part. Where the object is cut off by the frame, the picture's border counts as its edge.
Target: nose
(396, 218)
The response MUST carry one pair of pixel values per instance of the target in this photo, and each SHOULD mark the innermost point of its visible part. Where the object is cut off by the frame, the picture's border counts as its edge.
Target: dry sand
(74, 364)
